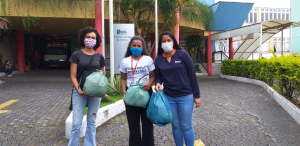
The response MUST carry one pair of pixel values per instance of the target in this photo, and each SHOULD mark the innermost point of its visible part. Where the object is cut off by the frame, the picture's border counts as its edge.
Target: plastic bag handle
(142, 78)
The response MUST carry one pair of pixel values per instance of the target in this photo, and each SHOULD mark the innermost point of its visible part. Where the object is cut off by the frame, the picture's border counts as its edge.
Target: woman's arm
(188, 62)
(73, 73)
(123, 83)
(6, 66)
(102, 70)
(151, 81)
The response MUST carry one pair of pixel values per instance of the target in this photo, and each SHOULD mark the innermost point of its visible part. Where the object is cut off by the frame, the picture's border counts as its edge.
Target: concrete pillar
(209, 55)
(230, 49)
(176, 29)
(20, 51)
(98, 22)
(153, 52)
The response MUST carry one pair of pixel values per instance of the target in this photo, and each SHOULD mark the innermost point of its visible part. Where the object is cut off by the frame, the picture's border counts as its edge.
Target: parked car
(55, 56)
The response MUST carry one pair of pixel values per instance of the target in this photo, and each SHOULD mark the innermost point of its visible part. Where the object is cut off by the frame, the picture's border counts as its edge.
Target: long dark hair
(145, 51)
(175, 46)
(6, 62)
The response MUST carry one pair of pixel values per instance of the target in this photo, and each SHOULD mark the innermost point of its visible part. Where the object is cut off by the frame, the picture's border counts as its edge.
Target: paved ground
(232, 113)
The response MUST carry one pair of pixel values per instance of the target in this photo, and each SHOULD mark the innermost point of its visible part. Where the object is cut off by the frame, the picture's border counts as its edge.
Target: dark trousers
(8, 71)
(134, 116)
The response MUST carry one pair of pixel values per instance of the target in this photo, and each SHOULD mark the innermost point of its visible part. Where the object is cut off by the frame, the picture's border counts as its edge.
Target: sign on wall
(122, 35)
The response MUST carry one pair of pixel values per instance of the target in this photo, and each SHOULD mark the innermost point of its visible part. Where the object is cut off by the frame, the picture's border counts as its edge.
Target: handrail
(222, 55)
(202, 59)
(202, 65)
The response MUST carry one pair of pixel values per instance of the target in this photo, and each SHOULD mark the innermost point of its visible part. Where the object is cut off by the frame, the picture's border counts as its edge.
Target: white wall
(264, 3)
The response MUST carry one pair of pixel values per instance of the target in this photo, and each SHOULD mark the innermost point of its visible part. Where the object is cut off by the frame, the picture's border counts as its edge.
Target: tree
(134, 11)
(139, 13)
(3, 24)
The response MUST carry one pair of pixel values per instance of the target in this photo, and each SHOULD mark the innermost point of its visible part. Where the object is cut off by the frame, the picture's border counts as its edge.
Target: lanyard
(133, 70)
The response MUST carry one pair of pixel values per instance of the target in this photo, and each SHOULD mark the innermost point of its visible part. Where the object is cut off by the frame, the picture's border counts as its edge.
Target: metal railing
(220, 56)
(201, 59)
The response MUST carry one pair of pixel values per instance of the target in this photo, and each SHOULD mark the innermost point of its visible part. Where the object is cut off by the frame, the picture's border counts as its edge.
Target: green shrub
(197, 69)
(115, 88)
(284, 70)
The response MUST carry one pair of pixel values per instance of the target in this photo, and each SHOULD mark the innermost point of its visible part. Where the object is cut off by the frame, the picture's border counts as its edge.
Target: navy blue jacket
(178, 76)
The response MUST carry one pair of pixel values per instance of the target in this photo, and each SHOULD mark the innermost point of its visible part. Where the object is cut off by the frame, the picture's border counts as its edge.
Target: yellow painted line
(4, 111)
(3, 105)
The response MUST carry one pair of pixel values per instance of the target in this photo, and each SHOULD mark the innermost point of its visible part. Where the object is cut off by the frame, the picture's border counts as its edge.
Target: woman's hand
(197, 102)
(124, 93)
(146, 87)
(80, 92)
(158, 86)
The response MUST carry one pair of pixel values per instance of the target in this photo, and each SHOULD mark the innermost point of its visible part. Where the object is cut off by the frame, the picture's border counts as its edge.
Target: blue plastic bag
(159, 111)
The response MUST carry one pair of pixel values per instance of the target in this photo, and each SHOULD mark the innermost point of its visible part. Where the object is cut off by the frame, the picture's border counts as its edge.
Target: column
(209, 55)
(230, 49)
(98, 22)
(153, 52)
(20, 51)
(176, 30)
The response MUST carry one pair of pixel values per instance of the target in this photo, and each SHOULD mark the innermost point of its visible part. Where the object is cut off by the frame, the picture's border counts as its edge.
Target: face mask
(89, 43)
(136, 51)
(167, 47)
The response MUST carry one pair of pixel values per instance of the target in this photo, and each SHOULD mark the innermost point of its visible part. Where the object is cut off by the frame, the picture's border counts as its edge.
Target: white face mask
(167, 47)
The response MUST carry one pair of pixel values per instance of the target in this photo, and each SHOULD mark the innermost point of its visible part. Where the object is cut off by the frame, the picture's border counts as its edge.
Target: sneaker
(9, 75)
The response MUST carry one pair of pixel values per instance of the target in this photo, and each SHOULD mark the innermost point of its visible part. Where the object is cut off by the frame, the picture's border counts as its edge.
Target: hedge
(281, 73)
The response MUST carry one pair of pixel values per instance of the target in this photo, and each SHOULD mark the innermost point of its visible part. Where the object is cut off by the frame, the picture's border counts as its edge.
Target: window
(252, 16)
(287, 17)
(277, 44)
(266, 14)
(271, 14)
(262, 16)
(255, 17)
(275, 14)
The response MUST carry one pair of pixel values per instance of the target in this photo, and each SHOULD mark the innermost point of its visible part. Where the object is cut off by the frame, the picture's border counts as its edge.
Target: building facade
(266, 10)
(295, 17)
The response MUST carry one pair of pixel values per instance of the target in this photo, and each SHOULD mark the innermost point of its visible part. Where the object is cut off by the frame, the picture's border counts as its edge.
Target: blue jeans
(79, 103)
(182, 111)
(8, 71)
(36, 63)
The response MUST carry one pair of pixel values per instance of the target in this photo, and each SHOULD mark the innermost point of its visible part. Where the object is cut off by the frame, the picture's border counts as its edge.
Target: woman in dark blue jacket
(174, 68)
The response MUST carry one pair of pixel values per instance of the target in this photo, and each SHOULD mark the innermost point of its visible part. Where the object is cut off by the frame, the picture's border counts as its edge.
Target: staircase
(203, 70)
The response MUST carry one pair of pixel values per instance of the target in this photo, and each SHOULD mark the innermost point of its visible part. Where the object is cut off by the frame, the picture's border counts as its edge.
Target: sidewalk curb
(103, 115)
(201, 74)
(289, 107)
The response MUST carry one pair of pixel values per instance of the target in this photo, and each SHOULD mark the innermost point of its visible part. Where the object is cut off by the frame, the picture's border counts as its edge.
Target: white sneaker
(9, 75)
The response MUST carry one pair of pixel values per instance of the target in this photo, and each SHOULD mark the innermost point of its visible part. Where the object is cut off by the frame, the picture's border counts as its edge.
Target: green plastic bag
(96, 84)
(136, 96)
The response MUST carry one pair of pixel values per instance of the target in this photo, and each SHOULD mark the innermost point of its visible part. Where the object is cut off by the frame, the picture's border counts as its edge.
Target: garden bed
(105, 102)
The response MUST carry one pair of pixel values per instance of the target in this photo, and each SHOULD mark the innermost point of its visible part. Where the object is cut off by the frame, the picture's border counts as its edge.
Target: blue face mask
(136, 51)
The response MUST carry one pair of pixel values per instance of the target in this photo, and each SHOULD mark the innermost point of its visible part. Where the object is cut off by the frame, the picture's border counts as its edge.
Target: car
(55, 56)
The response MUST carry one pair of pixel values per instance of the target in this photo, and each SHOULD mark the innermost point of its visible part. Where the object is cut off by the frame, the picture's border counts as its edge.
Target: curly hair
(145, 51)
(82, 34)
(175, 46)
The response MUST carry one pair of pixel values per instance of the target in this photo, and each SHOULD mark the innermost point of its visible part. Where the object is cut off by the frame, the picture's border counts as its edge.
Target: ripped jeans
(79, 103)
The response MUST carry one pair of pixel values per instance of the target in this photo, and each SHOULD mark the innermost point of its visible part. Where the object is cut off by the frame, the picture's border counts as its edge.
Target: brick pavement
(231, 113)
